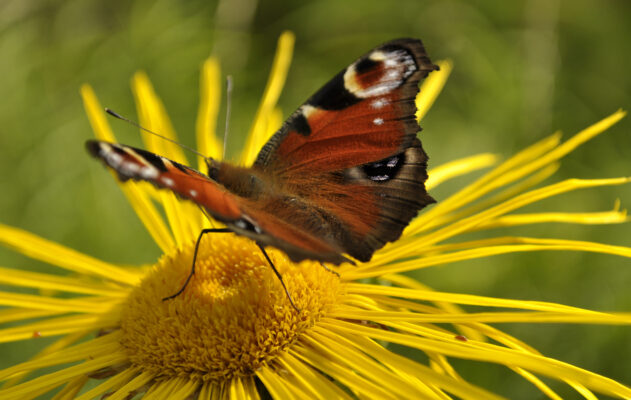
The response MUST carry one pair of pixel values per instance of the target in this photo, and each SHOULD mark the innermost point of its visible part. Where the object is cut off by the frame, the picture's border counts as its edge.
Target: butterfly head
(213, 167)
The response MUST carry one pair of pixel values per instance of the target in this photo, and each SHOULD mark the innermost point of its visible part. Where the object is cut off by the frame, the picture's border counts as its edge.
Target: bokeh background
(523, 69)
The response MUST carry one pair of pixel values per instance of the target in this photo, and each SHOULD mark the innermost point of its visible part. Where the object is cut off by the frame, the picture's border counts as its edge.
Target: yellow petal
(10, 276)
(183, 216)
(417, 245)
(115, 381)
(55, 254)
(210, 98)
(46, 382)
(595, 218)
(431, 88)
(259, 132)
(129, 387)
(459, 167)
(59, 326)
(489, 353)
(138, 199)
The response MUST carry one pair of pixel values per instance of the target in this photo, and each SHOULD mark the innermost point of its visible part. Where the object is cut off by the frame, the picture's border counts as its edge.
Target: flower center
(234, 315)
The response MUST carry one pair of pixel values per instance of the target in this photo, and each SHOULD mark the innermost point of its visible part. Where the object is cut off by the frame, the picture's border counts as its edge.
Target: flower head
(233, 333)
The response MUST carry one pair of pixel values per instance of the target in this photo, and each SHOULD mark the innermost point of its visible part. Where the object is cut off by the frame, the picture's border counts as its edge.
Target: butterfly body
(344, 174)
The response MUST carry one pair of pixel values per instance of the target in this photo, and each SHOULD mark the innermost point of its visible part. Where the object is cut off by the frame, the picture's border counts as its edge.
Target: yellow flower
(233, 334)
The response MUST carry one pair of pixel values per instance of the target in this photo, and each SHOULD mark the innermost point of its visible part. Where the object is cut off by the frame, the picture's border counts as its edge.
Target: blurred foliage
(523, 70)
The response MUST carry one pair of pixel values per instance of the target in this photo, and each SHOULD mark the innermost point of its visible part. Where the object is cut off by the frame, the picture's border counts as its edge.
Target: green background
(523, 69)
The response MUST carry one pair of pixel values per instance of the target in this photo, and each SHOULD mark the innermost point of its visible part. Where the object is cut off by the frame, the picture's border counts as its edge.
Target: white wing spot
(129, 168)
(193, 192)
(113, 159)
(390, 62)
(399, 65)
(379, 103)
(167, 181)
(148, 173)
(377, 121)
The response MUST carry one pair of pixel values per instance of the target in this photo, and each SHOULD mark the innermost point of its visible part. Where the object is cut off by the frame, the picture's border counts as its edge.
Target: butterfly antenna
(137, 125)
(228, 109)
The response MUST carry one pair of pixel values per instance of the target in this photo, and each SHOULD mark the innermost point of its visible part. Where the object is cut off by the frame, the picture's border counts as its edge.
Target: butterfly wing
(239, 213)
(364, 114)
(352, 148)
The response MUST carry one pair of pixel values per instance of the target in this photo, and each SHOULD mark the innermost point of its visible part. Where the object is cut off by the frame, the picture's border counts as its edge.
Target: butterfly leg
(329, 269)
(279, 276)
(190, 275)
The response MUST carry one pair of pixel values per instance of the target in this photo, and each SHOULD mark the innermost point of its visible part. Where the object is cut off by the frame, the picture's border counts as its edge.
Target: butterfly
(343, 175)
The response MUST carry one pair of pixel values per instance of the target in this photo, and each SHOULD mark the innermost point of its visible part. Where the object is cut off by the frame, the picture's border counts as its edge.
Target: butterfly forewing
(141, 165)
(364, 114)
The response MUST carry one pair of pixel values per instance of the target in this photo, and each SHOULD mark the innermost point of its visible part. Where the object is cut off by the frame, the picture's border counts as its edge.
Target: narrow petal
(59, 326)
(362, 364)
(274, 384)
(10, 276)
(494, 199)
(55, 254)
(55, 379)
(183, 216)
(71, 389)
(206, 392)
(160, 390)
(139, 200)
(259, 132)
(57, 354)
(484, 317)
(96, 115)
(109, 384)
(243, 388)
(130, 387)
(89, 305)
(431, 88)
(408, 367)
(21, 314)
(464, 225)
(50, 349)
(489, 353)
(318, 385)
(457, 298)
(340, 372)
(210, 98)
(542, 387)
(237, 390)
(595, 218)
(528, 244)
(184, 389)
(522, 164)
(486, 183)
(407, 282)
(458, 167)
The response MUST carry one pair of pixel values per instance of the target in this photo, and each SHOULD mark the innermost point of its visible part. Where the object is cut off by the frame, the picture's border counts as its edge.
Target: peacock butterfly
(344, 174)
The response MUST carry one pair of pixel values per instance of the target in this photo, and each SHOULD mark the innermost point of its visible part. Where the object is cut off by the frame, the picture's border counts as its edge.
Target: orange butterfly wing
(240, 214)
(352, 148)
